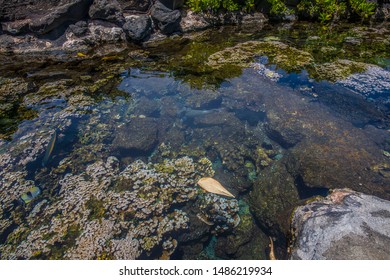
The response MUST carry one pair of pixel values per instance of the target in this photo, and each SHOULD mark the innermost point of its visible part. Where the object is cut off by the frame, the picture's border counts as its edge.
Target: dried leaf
(213, 186)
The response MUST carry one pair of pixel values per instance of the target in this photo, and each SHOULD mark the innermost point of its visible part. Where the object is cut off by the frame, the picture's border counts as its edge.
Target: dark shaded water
(273, 129)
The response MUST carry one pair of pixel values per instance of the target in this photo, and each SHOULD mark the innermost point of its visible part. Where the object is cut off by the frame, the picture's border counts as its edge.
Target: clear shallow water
(272, 136)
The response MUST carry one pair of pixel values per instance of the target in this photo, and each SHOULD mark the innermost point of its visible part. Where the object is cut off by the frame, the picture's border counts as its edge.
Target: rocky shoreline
(81, 25)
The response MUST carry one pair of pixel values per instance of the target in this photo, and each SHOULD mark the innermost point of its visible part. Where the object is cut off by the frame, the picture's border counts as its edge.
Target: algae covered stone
(284, 56)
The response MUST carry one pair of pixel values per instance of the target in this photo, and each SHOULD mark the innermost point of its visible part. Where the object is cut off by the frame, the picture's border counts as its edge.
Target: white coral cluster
(91, 219)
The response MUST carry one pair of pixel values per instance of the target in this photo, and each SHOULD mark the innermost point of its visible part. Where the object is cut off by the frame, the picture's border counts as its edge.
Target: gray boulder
(168, 21)
(344, 225)
(138, 27)
(109, 10)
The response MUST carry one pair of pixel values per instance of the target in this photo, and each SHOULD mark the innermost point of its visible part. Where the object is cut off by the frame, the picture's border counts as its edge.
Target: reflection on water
(116, 148)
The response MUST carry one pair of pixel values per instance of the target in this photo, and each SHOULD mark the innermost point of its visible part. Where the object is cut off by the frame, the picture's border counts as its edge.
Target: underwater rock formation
(101, 209)
(284, 56)
(273, 198)
(11, 91)
(326, 154)
(140, 135)
(344, 225)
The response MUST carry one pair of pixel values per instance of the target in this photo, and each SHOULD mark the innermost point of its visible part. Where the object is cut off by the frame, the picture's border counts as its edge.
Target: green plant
(363, 8)
(278, 7)
(249, 5)
(324, 10)
(215, 5)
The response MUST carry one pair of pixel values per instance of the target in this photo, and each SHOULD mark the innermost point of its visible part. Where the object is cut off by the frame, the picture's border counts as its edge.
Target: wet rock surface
(139, 136)
(344, 225)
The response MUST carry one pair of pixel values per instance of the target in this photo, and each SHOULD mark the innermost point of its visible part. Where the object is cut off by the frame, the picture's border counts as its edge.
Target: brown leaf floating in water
(213, 186)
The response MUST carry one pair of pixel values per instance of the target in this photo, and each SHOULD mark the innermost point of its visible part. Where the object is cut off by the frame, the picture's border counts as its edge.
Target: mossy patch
(58, 250)
(241, 55)
(96, 207)
(337, 70)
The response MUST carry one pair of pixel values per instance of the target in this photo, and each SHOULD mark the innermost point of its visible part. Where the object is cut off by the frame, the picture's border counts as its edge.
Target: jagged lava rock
(344, 225)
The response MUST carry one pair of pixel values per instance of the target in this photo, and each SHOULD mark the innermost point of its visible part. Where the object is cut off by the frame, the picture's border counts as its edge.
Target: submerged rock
(284, 56)
(105, 213)
(337, 70)
(327, 153)
(370, 83)
(140, 135)
(344, 225)
(11, 90)
(273, 198)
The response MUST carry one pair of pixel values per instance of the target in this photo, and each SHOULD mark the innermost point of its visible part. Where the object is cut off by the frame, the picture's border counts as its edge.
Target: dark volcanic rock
(139, 136)
(168, 20)
(344, 225)
(78, 29)
(109, 10)
(61, 14)
(138, 27)
(41, 17)
(135, 5)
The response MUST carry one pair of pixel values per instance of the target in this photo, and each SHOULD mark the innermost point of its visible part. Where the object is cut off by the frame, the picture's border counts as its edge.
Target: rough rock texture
(193, 21)
(168, 20)
(10, 92)
(286, 57)
(273, 198)
(344, 225)
(138, 27)
(326, 154)
(109, 10)
(140, 135)
(135, 5)
(42, 16)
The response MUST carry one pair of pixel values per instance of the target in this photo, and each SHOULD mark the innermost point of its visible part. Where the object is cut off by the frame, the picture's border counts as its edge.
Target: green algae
(337, 70)
(284, 56)
(59, 248)
(96, 208)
